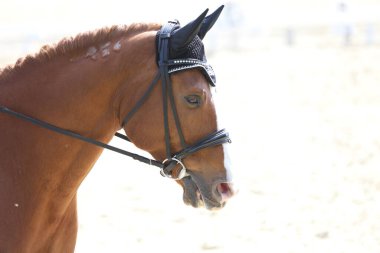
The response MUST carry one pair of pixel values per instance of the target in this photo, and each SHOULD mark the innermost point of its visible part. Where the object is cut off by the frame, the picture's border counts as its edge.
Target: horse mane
(74, 45)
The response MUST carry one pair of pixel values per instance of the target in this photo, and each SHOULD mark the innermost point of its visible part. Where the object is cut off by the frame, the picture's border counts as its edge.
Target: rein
(167, 166)
(74, 135)
(216, 138)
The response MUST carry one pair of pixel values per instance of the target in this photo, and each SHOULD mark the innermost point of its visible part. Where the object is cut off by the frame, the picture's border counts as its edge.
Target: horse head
(180, 111)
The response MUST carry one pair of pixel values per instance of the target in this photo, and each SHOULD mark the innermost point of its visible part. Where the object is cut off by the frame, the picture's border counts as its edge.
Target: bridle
(216, 138)
(167, 166)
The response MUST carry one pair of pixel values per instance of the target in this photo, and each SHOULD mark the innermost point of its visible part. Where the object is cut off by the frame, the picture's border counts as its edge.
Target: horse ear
(184, 35)
(209, 21)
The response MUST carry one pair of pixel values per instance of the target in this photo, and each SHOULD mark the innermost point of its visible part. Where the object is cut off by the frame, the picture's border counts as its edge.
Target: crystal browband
(183, 64)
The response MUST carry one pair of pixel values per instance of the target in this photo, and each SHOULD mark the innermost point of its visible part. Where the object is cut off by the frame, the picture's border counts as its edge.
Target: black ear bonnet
(186, 49)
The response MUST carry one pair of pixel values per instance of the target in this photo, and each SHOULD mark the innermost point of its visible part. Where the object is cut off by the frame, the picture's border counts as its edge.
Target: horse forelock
(75, 45)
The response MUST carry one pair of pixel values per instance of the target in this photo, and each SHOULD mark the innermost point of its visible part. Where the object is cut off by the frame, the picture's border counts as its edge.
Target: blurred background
(299, 89)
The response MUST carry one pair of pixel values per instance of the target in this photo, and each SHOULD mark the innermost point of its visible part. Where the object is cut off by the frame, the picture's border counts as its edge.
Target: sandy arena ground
(306, 154)
(305, 123)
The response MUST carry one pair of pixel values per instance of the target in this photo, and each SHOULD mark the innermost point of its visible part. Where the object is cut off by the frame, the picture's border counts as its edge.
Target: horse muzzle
(211, 196)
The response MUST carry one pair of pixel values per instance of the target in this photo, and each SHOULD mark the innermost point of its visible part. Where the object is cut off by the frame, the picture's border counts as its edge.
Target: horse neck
(82, 92)
(42, 170)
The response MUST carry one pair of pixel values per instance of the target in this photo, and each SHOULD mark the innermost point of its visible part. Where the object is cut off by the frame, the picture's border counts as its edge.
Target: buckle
(168, 166)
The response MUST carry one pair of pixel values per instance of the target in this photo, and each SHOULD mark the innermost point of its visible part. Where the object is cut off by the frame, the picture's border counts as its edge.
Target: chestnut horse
(88, 85)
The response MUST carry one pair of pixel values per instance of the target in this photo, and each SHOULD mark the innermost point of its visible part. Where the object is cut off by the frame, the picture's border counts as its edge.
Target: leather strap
(167, 90)
(71, 134)
(141, 100)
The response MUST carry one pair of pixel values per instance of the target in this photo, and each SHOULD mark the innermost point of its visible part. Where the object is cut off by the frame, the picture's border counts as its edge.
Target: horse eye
(193, 100)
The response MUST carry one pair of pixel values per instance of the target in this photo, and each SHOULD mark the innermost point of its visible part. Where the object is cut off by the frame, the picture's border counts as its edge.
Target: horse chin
(193, 196)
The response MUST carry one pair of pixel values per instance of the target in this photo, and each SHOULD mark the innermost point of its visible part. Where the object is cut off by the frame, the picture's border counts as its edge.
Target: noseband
(166, 66)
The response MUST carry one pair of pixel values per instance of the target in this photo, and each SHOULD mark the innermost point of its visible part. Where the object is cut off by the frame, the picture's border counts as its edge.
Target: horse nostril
(225, 190)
